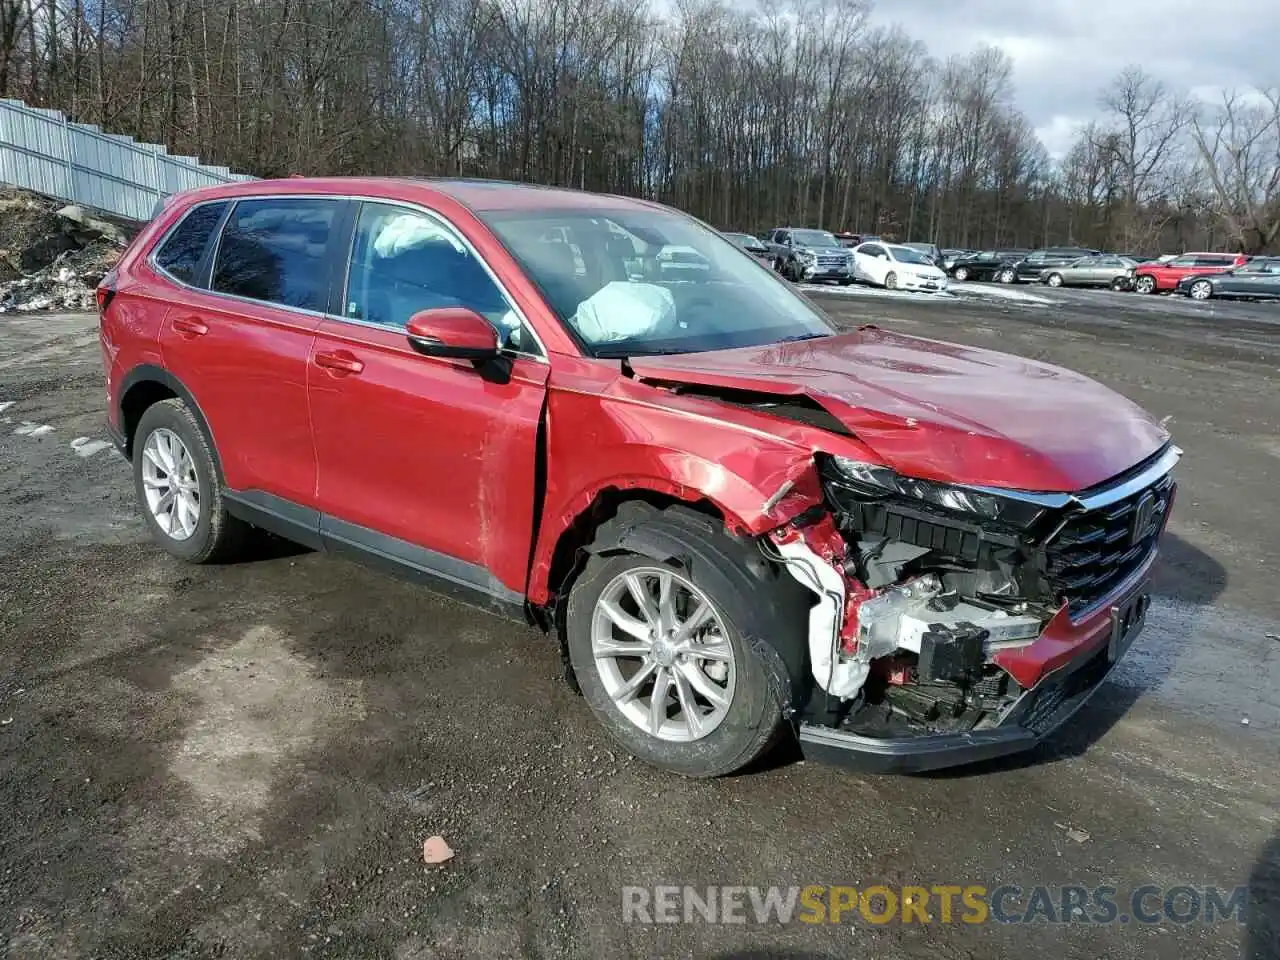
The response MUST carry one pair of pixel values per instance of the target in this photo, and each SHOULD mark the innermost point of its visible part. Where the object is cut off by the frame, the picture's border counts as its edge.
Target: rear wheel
(1201, 290)
(1145, 284)
(1054, 280)
(891, 281)
(1119, 284)
(178, 488)
(961, 274)
(658, 649)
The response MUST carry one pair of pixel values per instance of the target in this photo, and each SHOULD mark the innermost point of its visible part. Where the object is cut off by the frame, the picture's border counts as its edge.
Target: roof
(477, 195)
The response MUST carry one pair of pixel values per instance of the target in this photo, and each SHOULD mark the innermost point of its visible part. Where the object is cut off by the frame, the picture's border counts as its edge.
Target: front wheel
(1201, 290)
(961, 274)
(891, 281)
(178, 489)
(1006, 275)
(658, 649)
(1054, 280)
(1145, 284)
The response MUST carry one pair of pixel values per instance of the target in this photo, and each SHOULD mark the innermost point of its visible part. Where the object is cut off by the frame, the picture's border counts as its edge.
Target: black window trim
(342, 238)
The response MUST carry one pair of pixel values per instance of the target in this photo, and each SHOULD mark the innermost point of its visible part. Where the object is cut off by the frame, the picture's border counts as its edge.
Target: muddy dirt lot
(244, 761)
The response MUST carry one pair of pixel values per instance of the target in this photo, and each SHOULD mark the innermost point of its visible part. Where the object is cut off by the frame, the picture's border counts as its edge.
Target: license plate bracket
(1127, 621)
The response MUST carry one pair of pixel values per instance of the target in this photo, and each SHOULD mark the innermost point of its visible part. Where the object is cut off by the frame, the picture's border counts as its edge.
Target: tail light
(106, 292)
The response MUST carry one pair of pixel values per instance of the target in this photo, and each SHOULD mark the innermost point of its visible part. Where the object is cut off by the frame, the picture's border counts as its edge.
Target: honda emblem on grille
(1143, 514)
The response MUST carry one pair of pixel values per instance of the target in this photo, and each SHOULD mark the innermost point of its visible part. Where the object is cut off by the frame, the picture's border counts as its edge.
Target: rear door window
(181, 252)
(1212, 261)
(275, 250)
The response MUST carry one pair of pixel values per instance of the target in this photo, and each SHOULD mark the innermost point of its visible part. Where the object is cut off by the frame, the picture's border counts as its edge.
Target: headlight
(808, 256)
(881, 480)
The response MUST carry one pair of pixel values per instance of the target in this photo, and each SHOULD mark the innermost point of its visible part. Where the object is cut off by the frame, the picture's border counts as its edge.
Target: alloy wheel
(1055, 279)
(663, 654)
(171, 484)
(1201, 290)
(1006, 276)
(1145, 285)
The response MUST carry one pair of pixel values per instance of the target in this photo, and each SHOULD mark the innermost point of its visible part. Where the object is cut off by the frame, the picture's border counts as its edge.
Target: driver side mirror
(453, 332)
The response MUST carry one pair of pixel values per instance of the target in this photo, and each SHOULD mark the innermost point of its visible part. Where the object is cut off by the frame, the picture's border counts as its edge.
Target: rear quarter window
(180, 253)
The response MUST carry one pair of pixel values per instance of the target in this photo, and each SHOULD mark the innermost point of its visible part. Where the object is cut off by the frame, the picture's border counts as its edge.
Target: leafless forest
(793, 112)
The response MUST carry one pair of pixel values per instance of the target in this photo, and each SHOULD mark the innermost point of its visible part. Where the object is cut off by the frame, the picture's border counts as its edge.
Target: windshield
(634, 282)
(745, 240)
(910, 255)
(814, 238)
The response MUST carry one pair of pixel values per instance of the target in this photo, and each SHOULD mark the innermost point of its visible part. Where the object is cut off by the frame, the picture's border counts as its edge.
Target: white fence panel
(40, 150)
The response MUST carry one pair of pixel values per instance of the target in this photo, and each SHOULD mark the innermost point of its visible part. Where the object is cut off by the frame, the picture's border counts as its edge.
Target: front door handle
(190, 327)
(340, 363)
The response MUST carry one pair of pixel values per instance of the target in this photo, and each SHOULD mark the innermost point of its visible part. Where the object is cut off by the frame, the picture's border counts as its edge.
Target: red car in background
(738, 522)
(1158, 277)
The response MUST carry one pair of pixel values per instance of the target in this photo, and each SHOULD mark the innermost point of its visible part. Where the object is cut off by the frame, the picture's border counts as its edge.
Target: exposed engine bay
(920, 586)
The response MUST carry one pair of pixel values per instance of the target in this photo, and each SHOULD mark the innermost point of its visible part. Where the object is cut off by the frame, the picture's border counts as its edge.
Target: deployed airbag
(622, 309)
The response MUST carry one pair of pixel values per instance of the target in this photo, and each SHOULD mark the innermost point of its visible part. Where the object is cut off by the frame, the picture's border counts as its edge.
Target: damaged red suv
(740, 523)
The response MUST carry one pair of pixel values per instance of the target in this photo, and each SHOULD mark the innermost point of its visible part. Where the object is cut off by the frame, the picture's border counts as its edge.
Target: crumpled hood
(942, 411)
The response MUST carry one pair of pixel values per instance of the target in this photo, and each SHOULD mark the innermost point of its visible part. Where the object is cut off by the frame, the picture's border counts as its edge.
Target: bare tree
(1239, 147)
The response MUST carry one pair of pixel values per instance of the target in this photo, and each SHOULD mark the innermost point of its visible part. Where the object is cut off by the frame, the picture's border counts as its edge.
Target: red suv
(739, 523)
(1154, 277)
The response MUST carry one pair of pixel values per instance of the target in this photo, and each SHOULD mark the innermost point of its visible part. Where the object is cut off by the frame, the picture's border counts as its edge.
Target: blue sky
(1064, 51)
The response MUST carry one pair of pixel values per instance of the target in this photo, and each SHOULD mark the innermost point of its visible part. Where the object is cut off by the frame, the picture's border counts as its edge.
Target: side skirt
(466, 582)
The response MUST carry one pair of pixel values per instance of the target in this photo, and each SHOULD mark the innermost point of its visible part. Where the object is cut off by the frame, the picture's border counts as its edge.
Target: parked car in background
(930, 250)
(1030, 268)
(951, 255)
(1100, 270)
(986, 265)
(800, 254)
(752, 245)
(1259, 278)
(897, 267)
(735, 520)
(1156, 277)
(681, 262)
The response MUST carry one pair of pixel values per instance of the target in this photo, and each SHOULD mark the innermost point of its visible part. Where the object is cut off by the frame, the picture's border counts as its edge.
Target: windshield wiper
(801, 336)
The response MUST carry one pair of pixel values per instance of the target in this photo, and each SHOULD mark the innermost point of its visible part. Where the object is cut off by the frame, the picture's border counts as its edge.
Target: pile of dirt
(53, 256)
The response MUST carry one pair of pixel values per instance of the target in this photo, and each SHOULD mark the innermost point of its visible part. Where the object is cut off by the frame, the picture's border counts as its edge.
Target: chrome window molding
(1102, 497)
(302, 311)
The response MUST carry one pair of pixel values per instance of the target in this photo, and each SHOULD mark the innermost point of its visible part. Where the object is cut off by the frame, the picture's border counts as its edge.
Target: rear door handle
(340, 363)
(190, 326)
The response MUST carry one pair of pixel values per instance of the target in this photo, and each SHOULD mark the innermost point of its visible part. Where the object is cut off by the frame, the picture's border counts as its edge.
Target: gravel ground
(245, 760)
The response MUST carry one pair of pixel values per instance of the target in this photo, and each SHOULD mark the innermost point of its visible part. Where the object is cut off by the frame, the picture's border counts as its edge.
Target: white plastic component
(622, 309)
(840, 678)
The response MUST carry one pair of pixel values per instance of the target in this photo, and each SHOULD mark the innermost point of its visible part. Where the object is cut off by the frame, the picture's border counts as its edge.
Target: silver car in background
(1102, 270)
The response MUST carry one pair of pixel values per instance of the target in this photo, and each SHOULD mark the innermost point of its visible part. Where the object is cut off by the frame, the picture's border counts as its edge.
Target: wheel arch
(146, 385)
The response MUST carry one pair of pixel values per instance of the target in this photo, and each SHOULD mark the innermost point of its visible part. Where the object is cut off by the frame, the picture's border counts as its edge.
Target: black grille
(1043, 713)
(1099, 549)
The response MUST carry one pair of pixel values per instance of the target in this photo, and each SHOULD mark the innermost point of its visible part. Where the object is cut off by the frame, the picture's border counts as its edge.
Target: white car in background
(896, 267)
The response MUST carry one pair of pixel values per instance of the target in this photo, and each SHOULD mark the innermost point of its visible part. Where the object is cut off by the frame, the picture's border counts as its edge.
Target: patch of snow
(998, 292)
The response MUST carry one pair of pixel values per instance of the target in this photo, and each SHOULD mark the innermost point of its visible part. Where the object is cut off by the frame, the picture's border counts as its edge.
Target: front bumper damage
(942, 665)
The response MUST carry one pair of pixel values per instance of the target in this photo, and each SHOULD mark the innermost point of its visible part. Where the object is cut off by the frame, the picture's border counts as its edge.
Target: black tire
(1119, 284)
(217, 536)
(961, 273)
(1144, 283)
(764, 611)
(891, 281)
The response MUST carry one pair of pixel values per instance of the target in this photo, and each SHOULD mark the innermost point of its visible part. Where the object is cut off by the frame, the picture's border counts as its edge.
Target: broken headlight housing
(878, 480)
